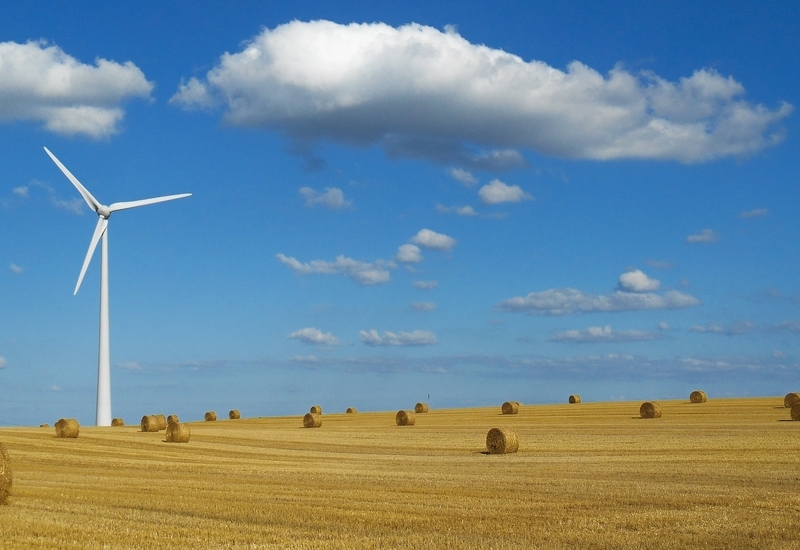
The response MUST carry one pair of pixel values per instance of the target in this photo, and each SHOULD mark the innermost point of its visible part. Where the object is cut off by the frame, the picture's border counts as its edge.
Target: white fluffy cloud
(464, 176)
(333, 198)
(408, 253)
(419, 91)
(433, 240)
(363, 273)
(565, 301)
(637, 281)
(460, 210)
(605, 333)
(705, 236)
(496, 192)
(415, 338)
(39, 82)
(755, 213)
(311, 335)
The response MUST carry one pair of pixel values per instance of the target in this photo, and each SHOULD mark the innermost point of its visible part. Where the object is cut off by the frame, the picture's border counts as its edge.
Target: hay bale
(500, 441)
(5, 475)
(177, 432)
(510, 407)
(172, 418)
(210, 416)
(795, 411)
(421, 408)
(117, 422)
(234, 414)
(351, 410)
(44, 425)
(650, 409)
(162, 421)
(67, 427)
(405, 418)
(149, 423)
(698, 396)
(316, 409)
(791, 399)
(574, 398)
(312, 420)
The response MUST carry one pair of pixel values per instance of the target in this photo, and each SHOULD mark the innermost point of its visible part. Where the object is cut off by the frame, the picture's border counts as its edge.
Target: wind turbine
(101, 230)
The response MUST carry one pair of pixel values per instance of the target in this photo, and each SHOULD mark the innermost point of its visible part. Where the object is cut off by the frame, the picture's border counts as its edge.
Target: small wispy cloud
(414, 338)
(595, 335)
(21, 191)
(362, 273)
(755, 213)
(460, 210)
(659, 264)
(463, 176)
(705, 236)
(314, 336)
(734, 329)
(15, 269)
(426, 285)
(423, 306)
(433, 240)
(332, 198)
(130, 365)
(3, 362)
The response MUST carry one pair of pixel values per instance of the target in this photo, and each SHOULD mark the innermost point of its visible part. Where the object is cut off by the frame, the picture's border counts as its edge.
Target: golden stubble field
(721, 474)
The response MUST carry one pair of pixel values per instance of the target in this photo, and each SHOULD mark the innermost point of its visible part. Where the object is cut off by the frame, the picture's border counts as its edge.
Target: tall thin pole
(103, 355)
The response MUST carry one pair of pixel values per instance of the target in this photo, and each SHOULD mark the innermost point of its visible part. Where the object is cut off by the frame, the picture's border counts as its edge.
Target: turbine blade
(144, 202)
(99, 229)
(90, 200)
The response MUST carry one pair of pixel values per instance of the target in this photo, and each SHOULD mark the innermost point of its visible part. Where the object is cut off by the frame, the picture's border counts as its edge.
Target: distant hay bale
(5, 475)
(405, 418)
(44, 425)
(351, 410)
(67, 427)
(698, 396)
(172, 419)
(162, 421)
(149, 423)
(500, 441)
(795, 411)
(312, 420)
(117, 422)
(177, 432)
(421, 408)
(210, 416)
(790, 399)
(316, 409)
(510, 407)
(234, 414)
(650, 409)
(574, 398)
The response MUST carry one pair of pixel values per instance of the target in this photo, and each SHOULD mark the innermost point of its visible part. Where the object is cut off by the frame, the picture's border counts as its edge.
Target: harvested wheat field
(725, 475)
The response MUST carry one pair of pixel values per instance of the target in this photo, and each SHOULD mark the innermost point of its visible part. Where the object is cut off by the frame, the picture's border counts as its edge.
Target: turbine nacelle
(103, 211)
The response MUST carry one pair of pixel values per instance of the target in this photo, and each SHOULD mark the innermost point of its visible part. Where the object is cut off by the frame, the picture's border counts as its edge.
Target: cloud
(311, 335)
(419, 91)
(408, 253)
(433, 240)
(333, 198)
(426, 285)
(496, 192)
(663, 326)
(21, 191)
(463, 176)
(593, 335)
(415, 338)
(705, 236)
(15, 269)
(362, 273)
(660, 264)
(423, 306)
(565, 301)
(735, 329)
(39, 82)
(756, 213)
(3, 362)
(54, 388)
(791, 326)
(130, 365)
(637, 281)
(460, 210)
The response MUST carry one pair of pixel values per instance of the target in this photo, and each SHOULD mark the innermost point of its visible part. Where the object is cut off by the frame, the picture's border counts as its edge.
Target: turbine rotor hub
(103, 211)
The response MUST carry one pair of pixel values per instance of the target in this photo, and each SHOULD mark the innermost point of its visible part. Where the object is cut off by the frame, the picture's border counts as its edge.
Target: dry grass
(724, 475)
(5, 475)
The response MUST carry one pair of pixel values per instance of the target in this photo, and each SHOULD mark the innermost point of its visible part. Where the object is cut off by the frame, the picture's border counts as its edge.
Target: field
(721, 474)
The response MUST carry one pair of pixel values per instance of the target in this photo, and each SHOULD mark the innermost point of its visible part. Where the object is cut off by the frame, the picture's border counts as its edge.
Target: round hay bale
(117, 422)
(44, 425)
(177, 432)
(405, 418)
(162, 421)
(421, 408)
(791, 399)
(234, 414)
(210, 416)
(316, 409)
(795, 411)
(500, 441)
(510, 407)
(574, 398)
(312, 420)
(67, 427)
(351, 410)
(5, 475)
(172, 418)
(698, 396)
(149, 423)
(650, 409)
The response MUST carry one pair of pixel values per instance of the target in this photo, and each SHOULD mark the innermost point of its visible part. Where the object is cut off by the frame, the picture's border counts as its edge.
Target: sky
(455, 202)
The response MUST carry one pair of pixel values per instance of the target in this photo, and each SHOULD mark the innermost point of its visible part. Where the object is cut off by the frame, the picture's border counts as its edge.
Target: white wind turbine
(101, 230)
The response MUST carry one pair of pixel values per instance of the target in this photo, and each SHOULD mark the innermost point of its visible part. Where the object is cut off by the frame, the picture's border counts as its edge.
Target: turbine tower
(101, 230)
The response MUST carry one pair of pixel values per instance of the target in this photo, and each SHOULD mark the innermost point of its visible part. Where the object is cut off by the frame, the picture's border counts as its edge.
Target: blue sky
(472, 201)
